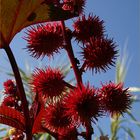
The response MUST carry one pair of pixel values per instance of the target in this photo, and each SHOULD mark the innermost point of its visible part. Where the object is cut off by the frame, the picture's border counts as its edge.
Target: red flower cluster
(115, 99)
(99, 54)
(48, 82)
(82, 105)
(98, 51)
(11, 98)
(44, 39)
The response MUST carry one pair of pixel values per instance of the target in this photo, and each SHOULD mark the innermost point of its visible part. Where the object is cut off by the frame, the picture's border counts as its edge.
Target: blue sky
(122, 23)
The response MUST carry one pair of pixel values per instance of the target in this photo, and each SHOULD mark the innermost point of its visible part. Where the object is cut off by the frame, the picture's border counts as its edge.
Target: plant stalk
(21, 91)
(68, 47)
(89, 131)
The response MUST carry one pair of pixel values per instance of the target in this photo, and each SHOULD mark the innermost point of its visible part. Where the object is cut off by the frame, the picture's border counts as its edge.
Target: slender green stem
(115, 126)
(21, 91)
(68, 47)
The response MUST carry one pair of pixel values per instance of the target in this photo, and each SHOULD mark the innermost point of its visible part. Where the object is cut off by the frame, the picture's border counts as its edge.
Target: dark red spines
(84, 28)
(44, 40)
(48, 82)
(83, 105)
(56, 119)
(115, 99)
(99, 54)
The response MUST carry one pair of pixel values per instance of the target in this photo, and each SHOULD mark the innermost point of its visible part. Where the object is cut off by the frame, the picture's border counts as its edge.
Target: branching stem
(89, 131)
(68, 47)
(21, 91)
(69, 85)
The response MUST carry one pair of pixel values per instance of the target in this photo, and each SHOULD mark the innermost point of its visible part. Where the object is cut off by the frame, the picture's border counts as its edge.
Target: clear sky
(122, 23)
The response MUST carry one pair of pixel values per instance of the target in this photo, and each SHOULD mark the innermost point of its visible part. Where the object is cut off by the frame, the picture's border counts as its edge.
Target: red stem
(89, 131)
(68, 47)
(21, 91)
(69, 85)
(82, 69)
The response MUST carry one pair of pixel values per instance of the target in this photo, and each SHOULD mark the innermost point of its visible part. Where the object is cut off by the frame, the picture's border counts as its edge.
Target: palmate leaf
(11, 117)
(17, 14)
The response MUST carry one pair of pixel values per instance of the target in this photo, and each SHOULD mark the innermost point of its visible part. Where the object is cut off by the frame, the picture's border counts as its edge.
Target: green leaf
(129, 132)
(48, 137)
(133, 118)
(115, 126)
(136, 122)
(17, 14)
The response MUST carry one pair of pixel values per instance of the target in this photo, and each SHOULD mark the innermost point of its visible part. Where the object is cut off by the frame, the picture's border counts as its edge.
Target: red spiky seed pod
(48, 82)
(44, 40)
(99, 54)
(9, 101)
(9, 87)
(84, 28)
(55, 118)
(83, 105)
(115, 99)
(76, 6)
